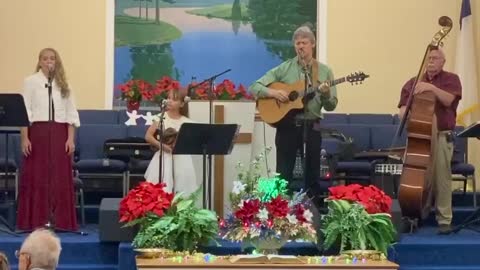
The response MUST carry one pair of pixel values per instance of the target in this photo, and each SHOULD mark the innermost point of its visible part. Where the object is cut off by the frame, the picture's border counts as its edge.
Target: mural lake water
(208, 46)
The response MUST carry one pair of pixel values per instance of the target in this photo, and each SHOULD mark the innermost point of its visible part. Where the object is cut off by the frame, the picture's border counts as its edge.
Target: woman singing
(46, 183)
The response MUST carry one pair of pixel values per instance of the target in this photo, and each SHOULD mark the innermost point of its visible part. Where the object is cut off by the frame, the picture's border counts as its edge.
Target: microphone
(164, 103)
(300, 53)
(51, 69)
(187, 98)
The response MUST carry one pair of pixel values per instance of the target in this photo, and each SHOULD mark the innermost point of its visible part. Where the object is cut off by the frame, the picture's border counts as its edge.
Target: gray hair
(4, 265)
(43, 247)
(304, 32)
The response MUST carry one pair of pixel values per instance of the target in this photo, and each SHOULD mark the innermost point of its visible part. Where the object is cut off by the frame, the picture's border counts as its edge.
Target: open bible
(260, 259)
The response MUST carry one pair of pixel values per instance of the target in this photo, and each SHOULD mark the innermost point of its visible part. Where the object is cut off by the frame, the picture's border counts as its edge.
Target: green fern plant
(350, 225)
(183, 227)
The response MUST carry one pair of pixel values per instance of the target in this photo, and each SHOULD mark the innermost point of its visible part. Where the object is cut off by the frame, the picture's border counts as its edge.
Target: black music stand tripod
(205, 139)
(472, 222)
(13, 116)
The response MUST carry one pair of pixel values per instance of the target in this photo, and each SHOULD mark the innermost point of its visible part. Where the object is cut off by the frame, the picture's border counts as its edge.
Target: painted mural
(191, 40)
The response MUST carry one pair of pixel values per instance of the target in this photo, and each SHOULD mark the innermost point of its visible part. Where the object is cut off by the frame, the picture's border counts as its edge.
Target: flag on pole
(465, 66)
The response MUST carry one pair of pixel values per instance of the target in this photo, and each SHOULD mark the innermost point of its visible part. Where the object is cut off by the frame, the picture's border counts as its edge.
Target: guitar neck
(337, 81)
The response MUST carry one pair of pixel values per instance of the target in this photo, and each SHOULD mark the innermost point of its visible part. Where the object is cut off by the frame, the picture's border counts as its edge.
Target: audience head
(41, 249)
(4, 262)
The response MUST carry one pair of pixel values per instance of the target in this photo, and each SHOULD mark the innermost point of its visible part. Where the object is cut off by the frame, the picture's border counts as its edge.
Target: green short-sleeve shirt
(291, 71)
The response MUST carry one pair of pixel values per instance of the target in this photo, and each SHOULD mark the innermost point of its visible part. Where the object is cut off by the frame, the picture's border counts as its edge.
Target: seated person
(40, 250)
(4, 262)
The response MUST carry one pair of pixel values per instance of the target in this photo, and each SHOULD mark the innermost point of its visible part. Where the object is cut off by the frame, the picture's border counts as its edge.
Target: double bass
(415, 189)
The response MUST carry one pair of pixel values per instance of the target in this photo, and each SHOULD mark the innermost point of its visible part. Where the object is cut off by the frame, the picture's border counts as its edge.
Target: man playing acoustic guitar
(290, 131)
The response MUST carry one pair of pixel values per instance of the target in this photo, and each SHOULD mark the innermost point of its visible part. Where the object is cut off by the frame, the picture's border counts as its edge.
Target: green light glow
(270, 188)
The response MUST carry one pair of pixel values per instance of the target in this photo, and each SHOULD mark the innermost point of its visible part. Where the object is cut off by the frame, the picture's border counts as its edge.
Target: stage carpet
(424, 250)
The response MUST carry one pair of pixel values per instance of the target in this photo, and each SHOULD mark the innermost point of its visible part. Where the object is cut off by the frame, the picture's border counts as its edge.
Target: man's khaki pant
(442, 177)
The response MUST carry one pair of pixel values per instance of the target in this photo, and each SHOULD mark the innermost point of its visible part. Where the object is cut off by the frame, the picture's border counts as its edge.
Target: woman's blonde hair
(59, 72)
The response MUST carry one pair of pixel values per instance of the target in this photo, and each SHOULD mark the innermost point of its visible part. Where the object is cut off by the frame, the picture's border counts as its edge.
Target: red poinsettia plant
(372, 198)
(167, 220)
(136, 90)
(358, 218)
(143, 206)
(226, 91)
(144, 200)
(163, 87)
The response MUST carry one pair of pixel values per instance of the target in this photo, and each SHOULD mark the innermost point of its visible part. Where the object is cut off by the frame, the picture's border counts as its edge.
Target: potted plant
(143, 206)
(358, 218)
(174, 223)
(134, 91)
(225, 90)
(163, 87)
(262, 213)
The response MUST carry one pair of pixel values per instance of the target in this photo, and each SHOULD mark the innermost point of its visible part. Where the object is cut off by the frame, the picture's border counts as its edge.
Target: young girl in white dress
(178, 172)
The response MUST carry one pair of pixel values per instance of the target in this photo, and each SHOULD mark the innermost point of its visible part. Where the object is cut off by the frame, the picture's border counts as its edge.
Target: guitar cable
(265, 149)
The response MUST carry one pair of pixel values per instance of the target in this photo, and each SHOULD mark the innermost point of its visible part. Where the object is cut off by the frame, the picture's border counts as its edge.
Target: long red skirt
(46, 184)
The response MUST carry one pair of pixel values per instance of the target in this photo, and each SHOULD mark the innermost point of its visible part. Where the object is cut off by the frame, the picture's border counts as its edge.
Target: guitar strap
(315, 73)
(315, 83)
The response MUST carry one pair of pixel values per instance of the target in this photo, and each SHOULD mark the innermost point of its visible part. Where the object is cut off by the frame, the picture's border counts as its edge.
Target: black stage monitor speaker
(110, 230)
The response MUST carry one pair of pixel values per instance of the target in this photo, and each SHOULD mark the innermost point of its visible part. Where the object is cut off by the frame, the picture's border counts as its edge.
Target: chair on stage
(137, 167)
(98, 117)
(370, 119)
(353, 170)
(92, 161)
(461, 170)
(11, 165)
(79, 196)
(335, 118)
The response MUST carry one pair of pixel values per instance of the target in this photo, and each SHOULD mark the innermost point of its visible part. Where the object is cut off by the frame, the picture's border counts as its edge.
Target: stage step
(80, 267)
(426, 247)
(459, 215)
(76, 249)
(433, 267)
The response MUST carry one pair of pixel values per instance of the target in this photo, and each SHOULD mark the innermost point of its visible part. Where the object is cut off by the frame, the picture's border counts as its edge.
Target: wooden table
(223, 263)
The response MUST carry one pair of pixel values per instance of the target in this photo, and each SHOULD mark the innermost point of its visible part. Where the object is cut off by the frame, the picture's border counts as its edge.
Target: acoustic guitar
(273, 111)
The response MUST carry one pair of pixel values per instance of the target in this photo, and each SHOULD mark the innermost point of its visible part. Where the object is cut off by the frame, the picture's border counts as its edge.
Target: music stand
(472, 131)
(13, 115)
(205, 139)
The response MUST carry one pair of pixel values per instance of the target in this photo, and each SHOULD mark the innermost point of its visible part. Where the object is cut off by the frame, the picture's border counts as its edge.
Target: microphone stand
(308, 84)
(50, 225)
(163, 109)
(207, 184)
